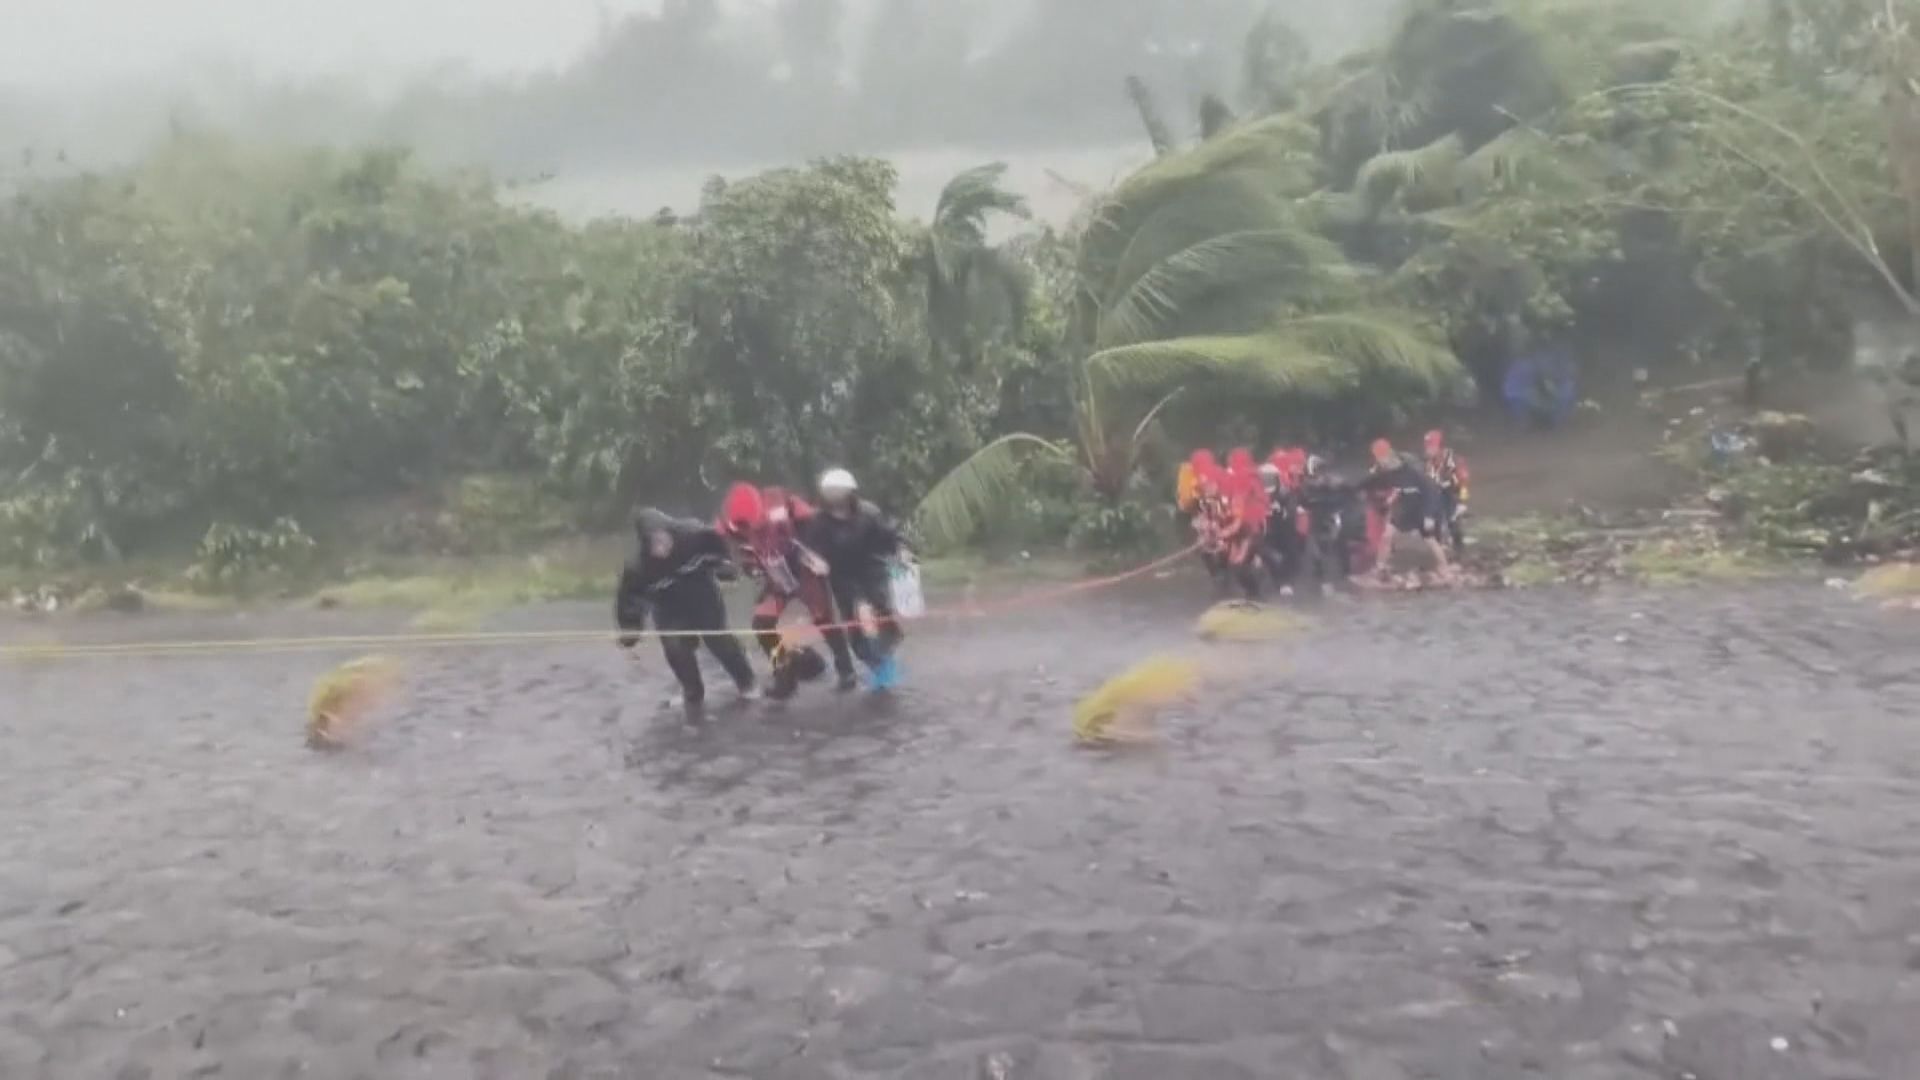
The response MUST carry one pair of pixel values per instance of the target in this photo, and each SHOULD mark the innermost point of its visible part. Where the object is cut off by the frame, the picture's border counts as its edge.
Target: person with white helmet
(859, 543)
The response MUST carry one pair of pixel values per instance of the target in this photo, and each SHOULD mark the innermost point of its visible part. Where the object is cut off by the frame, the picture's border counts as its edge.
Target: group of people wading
(834, 560)
(1290, 521)
(1286, 520)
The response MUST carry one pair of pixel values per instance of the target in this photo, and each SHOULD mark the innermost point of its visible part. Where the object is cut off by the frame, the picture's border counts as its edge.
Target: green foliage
(230, 333)
(235, 556)
(1131, 527)
(234, 333)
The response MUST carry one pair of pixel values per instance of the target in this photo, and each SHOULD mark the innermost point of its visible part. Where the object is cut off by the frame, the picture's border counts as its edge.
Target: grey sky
(68, 42)
(936, 85)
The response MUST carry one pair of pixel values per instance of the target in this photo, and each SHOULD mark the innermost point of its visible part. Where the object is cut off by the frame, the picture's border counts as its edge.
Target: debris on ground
(343, 698)
(1122, 710)
(1242, 621)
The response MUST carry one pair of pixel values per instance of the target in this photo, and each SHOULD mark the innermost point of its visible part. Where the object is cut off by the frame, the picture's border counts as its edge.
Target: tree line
(226, 332)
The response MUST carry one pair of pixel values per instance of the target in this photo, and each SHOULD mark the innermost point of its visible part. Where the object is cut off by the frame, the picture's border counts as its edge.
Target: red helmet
(1435, 440)
(1240, 461)
(1203, 461)
(744, 508)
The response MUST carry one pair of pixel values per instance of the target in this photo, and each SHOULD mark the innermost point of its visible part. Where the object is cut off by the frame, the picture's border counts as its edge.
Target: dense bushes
(229, 334)
(226, 336)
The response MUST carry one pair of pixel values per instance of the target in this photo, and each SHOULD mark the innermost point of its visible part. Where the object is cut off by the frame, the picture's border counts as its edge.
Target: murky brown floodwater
(1460, 837)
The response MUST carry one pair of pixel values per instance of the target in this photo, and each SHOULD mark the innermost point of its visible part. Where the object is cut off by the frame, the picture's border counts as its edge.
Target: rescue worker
(1288, 536)
(1280, 546)
(1242, 522)
(1208, 514)
(1412, 504)
(1336, 519)
(858, 542)
(1448, 471)
(765, 526)
(673, 575)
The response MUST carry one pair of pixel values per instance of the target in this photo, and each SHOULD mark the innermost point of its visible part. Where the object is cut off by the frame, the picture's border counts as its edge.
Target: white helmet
(837, 482)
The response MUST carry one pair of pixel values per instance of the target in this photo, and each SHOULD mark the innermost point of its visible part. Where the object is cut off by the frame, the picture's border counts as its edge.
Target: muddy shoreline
(1482, 835)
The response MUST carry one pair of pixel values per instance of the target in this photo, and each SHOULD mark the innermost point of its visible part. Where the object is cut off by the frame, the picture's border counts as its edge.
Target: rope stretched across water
(18, 653)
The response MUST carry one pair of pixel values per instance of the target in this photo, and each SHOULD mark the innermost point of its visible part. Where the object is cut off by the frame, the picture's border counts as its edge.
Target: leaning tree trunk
(1900, 103)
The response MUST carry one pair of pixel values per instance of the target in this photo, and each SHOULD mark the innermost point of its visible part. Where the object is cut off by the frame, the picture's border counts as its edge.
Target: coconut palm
(1202, 271)
(970, 285)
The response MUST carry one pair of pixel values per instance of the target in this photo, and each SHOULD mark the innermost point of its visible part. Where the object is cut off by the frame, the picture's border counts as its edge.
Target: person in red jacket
(1243, 521)
(764, 526)
(1287, 537)
(1208, 514)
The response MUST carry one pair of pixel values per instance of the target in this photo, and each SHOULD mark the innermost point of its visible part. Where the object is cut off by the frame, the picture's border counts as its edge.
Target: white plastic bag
(903, 580)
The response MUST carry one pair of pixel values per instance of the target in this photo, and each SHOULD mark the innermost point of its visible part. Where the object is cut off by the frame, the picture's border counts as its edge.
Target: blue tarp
(1542, 386)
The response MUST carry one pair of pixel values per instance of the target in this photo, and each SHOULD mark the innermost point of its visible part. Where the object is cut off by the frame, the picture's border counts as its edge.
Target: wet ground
(1468, 837)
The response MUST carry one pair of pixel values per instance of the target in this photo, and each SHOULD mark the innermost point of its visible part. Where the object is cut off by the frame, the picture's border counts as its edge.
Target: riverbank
(440, 592)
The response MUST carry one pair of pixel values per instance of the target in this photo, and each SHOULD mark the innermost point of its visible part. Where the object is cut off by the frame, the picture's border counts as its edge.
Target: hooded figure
(765, 526)
(674, 575)
(858, 542)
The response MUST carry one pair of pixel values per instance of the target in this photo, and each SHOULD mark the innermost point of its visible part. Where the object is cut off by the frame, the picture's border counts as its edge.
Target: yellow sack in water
(1134, 695)
(1239, 621)
(1890, 582)
(342, 698)
(1186, 490)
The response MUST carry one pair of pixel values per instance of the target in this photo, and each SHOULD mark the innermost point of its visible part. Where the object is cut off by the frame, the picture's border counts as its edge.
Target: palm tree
(1203, 271)
(971, 285)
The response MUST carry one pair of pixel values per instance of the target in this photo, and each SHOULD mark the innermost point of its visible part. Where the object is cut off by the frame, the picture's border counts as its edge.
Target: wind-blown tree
(1728, 187)
(973, 289)
(236, 334)
(1461, 162)
(1201, 275)
(806, 308)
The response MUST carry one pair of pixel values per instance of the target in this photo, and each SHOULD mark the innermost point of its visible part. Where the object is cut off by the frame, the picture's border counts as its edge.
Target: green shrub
(232, 556)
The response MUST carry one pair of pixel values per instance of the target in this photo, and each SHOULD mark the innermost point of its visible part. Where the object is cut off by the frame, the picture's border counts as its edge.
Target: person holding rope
(1448, 470)
(1201, 500)
(766, 527)
(1336, 520)
(673, 574)
(1242, 526)
(1287, 538)
(858, 542)
(1412, 504)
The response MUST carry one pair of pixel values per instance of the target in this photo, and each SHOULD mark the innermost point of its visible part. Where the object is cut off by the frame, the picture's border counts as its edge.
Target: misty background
(627, 106)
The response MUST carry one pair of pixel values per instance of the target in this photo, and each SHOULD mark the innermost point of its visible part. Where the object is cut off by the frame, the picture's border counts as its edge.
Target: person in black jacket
(1415, 502)
(857, 541)
(674, 575)
(1336, 520)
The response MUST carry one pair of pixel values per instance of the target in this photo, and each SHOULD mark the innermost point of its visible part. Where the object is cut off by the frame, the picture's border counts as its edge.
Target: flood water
(1472, 837)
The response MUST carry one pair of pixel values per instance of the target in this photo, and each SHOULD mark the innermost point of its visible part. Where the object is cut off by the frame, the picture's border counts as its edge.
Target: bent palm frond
(1281, 259)
(1265, 364)
(968, 198)
(1385, 345)
(1309, 358)
(954, 509)
(1420, 178)
(1522, 157)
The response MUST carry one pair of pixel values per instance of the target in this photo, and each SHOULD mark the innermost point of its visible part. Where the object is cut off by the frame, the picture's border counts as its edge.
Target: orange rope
(18, 653)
